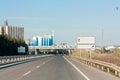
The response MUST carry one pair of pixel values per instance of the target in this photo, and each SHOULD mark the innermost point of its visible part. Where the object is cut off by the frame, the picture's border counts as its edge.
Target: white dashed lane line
(33, 69)
(38, 66)
(27, 73)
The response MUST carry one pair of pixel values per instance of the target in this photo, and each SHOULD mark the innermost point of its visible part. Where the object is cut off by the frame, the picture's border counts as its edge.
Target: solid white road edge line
(77, 69)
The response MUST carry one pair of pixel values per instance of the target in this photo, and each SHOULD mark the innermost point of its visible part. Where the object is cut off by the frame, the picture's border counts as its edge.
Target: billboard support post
(86, 43)
(90, 54)
(91, 51)
(80, 53)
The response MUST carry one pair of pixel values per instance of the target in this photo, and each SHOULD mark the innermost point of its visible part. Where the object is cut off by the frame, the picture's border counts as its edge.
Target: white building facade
(12, 31)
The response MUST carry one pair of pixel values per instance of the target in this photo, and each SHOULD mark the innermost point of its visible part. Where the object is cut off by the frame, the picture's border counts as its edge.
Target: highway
(54, 67)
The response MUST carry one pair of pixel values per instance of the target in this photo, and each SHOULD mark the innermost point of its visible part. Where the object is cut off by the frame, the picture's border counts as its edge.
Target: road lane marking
(27, 73)
(33, 69)
(43, 63)
(77, 69)
(37, 66)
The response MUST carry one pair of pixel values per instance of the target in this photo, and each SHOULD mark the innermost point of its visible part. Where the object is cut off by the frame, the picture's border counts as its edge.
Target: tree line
(9, 46)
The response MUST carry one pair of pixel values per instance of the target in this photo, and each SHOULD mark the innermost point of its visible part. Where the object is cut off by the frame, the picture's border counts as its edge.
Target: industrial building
(37, 41)
(46, 40)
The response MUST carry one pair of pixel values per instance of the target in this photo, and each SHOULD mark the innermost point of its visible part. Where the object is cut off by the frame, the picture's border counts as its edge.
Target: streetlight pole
(102, 41)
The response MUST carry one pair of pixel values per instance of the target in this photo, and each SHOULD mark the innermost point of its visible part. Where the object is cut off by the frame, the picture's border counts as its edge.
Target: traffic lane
(56, 69)
(93, 73)
(15, 72)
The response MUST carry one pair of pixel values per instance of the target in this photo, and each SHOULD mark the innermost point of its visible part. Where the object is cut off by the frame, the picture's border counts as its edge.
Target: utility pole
(102, 41)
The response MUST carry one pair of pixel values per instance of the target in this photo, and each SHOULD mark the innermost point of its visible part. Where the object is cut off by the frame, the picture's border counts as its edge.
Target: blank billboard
(85, 42)
(86, 46)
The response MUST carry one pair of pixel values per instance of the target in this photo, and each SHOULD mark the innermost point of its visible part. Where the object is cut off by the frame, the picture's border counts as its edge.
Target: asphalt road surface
(54, 68)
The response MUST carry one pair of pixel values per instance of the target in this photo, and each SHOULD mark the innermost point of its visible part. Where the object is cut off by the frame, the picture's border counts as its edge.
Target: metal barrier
(104, 66)
(11, 59)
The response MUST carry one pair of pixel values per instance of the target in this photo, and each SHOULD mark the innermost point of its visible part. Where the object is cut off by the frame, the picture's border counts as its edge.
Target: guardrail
(104, 66)
(52, 47)
(11, 59)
